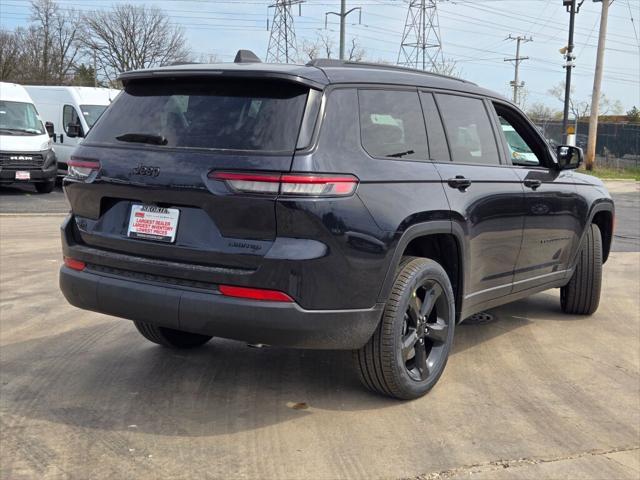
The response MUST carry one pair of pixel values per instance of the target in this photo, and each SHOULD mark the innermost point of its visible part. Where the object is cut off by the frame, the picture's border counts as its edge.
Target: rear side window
(469, 131)
(211, 114)
(392, 125)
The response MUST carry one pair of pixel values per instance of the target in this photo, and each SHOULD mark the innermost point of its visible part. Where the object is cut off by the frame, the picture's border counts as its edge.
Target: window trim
(444, 130)
(483, 100)
(395, 88)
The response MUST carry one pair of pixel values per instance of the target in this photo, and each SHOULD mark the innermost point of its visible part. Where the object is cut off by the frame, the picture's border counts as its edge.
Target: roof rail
(246, 56)
(332, 62)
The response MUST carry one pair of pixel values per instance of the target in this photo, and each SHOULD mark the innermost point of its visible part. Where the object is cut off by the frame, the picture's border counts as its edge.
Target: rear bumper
(209, 312)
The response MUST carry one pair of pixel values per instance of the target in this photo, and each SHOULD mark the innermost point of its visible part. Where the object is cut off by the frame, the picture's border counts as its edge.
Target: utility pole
(421, 44)
(597, 82)
(516, 84)
(343, 17)
(282, 41)
(572, 8)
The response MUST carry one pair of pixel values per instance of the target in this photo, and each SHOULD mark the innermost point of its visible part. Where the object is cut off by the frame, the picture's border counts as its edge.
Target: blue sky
(473, 33)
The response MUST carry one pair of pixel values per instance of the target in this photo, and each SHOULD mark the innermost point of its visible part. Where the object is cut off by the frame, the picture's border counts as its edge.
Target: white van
(26, 153)
(72, 111)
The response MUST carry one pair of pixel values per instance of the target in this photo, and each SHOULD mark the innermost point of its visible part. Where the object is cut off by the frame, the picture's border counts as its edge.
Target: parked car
(26, 153)
(334, 205)
(72, 111)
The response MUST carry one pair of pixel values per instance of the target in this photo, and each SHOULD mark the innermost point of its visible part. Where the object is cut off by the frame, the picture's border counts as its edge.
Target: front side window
(253, 115)
(525, 145)
(69, 116)
(392, 125)
(19, 118)
(469, 131)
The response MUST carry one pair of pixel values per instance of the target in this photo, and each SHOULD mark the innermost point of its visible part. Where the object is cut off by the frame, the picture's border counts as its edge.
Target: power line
(633, 23)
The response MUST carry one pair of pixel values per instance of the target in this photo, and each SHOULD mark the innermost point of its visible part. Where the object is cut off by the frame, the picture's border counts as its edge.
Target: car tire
(581, 295)
(408, 352)
(168, 337)
(45, 187)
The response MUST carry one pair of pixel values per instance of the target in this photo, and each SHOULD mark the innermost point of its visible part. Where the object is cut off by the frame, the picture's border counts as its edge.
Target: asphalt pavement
(529, 393)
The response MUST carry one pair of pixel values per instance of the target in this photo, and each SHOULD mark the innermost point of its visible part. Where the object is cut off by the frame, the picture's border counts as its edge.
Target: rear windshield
(212, 114)
(91, 113)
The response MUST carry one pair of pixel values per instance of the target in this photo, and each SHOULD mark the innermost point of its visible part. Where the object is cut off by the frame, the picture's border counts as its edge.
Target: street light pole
(597, 82)
(571, 5)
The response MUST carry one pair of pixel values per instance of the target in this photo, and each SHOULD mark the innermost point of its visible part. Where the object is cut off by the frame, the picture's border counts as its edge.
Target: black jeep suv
(329, 206)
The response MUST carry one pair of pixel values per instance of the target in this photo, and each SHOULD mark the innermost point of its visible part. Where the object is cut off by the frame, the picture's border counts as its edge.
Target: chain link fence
(617, 144)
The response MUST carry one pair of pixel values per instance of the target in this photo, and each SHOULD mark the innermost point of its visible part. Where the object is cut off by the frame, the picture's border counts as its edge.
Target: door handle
(532, 184)
(459, 182)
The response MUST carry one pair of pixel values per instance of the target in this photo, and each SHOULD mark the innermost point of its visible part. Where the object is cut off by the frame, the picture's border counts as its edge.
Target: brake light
(289, 184)
(74, 264)
(82, 168)
(254, 293)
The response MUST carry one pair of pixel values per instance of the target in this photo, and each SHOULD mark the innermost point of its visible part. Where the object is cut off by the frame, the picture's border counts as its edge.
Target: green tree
(84, 76)
(633, 115)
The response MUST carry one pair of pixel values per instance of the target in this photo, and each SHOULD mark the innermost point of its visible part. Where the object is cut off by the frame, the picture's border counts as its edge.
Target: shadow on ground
(108, 377)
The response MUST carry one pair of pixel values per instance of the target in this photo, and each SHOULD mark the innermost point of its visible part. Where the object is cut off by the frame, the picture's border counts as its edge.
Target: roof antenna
(246, 56)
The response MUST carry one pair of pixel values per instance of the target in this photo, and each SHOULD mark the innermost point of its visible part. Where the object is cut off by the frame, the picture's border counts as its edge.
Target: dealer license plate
(149, 222)
(22, 175)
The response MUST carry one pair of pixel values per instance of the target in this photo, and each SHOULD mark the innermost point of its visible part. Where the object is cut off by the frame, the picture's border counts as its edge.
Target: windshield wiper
(401, 154)
(22, 130)
(142, 138)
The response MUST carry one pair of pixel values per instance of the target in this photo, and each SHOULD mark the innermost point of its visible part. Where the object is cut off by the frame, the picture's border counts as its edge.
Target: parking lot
(532, 393)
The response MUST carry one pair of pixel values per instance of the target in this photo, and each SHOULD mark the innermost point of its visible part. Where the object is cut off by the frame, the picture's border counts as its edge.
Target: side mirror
(74, 130)
(569, 157)
(49, 128)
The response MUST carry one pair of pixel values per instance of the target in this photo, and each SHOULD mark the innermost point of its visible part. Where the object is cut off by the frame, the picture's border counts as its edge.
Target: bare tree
(323, 46)
(581, 109)
(53, 41)
(356, 52)
(540, 112)
(448, 66)
(131, 37)
(9, 55)
(206, 58)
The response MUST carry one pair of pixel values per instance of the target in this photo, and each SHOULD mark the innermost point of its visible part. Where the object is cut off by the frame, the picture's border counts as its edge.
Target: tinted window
(392, 125)
(438, 149)
(230, 115)
(69, 115)
(468, 129)
(91, 113)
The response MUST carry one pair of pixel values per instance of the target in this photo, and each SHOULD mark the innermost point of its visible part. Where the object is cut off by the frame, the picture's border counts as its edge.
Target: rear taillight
(254, 293)
(289, 184)
(82, 168)
(74, 264)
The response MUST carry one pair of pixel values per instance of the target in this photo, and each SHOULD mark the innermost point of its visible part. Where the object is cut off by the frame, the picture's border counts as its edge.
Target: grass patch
(612, 172)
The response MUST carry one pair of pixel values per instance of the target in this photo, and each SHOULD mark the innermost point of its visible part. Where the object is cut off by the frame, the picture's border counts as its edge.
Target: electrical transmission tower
(516, 83)
(421, 45)
(282, 41)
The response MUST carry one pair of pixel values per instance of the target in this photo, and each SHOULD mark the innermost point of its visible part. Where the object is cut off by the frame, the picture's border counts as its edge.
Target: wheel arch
(604, 218)
(441, 241)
